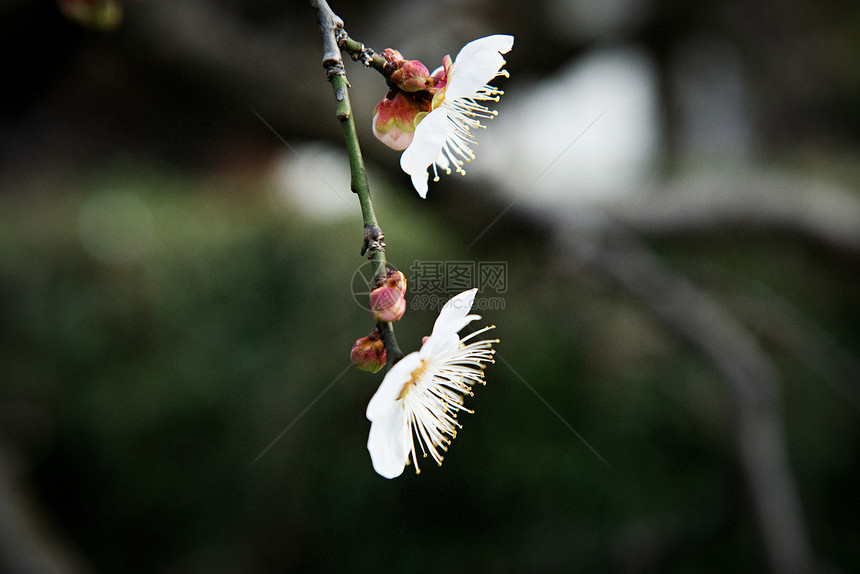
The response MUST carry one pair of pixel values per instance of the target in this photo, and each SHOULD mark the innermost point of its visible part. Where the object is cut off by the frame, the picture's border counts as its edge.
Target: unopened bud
(395, 118)
(411, 76)
(388, 299)
(406, 75)
(368, 353)
(387, 303)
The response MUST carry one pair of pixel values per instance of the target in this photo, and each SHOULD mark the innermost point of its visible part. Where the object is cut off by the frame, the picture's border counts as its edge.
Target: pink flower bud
(409, 99)
(388, 299)
(396, 117)
(411, 76)
(387, 303)
(391, 55)
(368, 353)
(406, 75)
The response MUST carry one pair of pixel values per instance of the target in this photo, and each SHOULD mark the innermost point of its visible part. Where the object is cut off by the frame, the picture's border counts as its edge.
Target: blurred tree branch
(27, 546)
(768, 314)
(259, 64)
(757, 199)
(733, 352)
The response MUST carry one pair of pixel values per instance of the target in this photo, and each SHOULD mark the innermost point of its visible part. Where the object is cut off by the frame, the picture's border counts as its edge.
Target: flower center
(414, 378)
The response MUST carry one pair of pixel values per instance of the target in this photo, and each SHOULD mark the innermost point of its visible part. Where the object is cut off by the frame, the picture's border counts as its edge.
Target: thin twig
(329, 24)
(359, 52)
(373, 246)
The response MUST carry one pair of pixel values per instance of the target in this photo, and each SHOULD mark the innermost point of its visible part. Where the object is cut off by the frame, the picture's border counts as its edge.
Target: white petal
(426, 146)
(477, 64)
(455, 313)
(384, 400)
(438, 344)
(389, 443)
(442, 161)
(453, 317)
(495, 43)
(419, 182)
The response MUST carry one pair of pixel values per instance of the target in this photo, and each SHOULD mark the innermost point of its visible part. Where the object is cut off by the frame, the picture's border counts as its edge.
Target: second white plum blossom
(421, 395)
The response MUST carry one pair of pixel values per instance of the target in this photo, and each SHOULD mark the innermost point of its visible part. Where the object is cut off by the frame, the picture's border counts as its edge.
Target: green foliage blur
(141, 392)
(176, 394)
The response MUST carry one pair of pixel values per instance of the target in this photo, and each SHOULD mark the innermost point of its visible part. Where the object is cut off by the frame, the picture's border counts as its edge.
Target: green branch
(359, 52)
(334, 38)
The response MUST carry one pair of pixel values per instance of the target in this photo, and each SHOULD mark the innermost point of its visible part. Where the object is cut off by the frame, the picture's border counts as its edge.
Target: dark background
(676, 387)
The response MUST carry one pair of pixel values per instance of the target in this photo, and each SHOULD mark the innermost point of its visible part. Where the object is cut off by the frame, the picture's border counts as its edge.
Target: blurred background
(673, 191)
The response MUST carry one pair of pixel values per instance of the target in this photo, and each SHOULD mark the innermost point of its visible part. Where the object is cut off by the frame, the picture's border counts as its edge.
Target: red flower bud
(368, 353)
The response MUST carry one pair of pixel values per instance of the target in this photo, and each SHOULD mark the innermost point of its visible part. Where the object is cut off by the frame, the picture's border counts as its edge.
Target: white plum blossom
(443, 138)
(421, 395)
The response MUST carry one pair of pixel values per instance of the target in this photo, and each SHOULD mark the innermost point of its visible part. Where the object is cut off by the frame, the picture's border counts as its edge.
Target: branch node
(374, 241)
(333, 68)
(330, 27)
(360, 53)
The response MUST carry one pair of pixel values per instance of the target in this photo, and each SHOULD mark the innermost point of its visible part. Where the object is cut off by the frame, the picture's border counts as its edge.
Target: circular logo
(362, 282)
